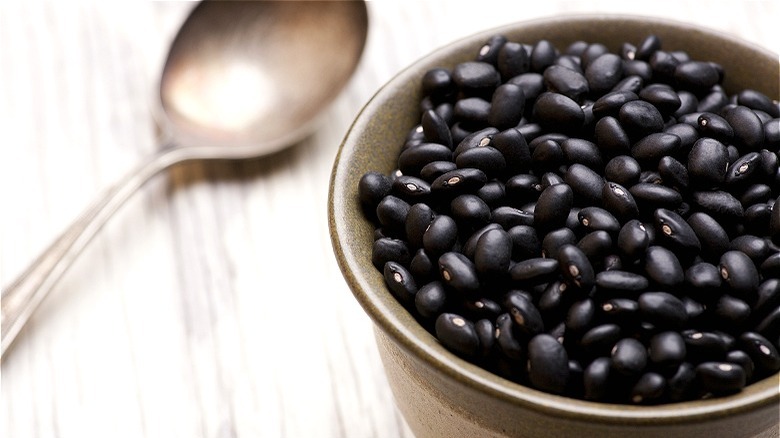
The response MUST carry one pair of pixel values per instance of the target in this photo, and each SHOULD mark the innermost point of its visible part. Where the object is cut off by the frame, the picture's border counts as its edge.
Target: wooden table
(211, 305)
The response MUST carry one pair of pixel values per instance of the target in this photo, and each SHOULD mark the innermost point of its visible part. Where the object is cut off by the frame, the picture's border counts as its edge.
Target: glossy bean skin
(458, 272)
(586, 184)
(762, 352)
(387, 249)
(707, 163)
(553, 207)
(675, 233)
(721, 377)
(623, 170)
(640, 118)
(633, 239)
(619, 201)
(566, 81)
(610, 136)
(435, 128)
(649, 389)
(575, 267)
(663, 310)
(554, 109)
(629, 357)
(739, 273)
(747, 127)
(524, 313)
(493, 253)
(555, 239)
(507, 106)
(470, 212)
(534, 270)
(440, 236)
(548, 364)
(458, 334)
(596, 378)
(431, 299)
(413, 159)
(604, 72)
(400, 282)
(667, 349)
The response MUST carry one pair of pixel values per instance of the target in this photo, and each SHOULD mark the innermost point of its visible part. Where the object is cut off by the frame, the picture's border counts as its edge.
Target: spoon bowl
(242, 79)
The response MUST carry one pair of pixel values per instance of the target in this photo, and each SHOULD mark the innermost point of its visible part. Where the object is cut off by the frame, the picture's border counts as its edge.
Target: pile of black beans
(600, 225)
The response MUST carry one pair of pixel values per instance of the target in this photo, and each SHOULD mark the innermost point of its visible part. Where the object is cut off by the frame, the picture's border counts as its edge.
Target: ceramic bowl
(441, 395)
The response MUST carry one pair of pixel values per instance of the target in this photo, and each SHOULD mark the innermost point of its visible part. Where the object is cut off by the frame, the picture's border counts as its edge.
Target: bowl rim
(415, 340)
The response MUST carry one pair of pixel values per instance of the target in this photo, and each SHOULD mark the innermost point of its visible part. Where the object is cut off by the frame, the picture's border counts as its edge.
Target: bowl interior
(374, 141)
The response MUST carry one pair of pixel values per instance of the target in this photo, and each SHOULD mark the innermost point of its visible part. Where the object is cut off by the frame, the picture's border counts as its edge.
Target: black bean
(372, 188)
(629, 357)
(655, 146)
(597, 218)
(459, 181)
(747, 127)
(475, 75)
(431, 299)
(774, 223)
(632, 83)
(764, 355)
(756, 248)
(514, 148)
(391, 212)
(480, 138)
(596, 378)
(623, 169)
(730, 312)
(486, 332)
(566, 81)
(649, 196)
(696, 76)
(592, 52)
(524, 313)
(440, 236)
(387, 249)
(673, 173)
(675, 233)
(604, 72)
(547, 155)
(543, 55)
(662, 96)
(469, 247)
(712, 101)
(719, 204)
(714, 239)
(550, 179)
(437, 82)
(721, 377)
(457, 334)
(458, 272)
(470, 212)
(535, 270)
(525, 242)
(493, 253)
(772, 133)
(532, 84)
(522, 188)
(687, 133)
(436, 129)
(757, 101)
(707, 163)
(620, 310)
(667, 349)
(610, 137)
(770, 267)
(649, 389)
(682, 384)
(480, 308)
(412, 160)
(553, 207)
(704, 280)
(586, 184)
(581, 316)
(422, 267)
(400, 282)
(507, 106)
(621, 281)
(418, 219)
(664, 65)
(714, 126)
(475, 111)
(739, 272)
(599, 340)
(509, 217)
(492, 193)
(596, 245)
(489, 51)
(770, 325)
(688, 103)
(555, 239)
(663, 310)
(512, 60)
(487, 159)
(577, 150)
(506, 338)
(633, 240)
(609, 104)
(411, 189)
(548, 364)
(575, 267)
(559, 112)
(640, 118)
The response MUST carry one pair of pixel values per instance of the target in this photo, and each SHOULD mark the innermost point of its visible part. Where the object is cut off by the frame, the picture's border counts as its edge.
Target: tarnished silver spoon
(242, 79)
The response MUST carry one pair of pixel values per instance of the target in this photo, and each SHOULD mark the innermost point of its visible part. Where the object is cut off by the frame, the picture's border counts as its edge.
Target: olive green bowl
(441, 395)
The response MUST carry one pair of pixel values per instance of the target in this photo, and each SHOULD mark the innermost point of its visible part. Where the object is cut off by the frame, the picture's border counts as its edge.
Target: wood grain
(211, 305)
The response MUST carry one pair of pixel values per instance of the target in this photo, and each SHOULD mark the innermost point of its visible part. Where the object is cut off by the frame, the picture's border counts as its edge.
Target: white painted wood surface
(211, 305)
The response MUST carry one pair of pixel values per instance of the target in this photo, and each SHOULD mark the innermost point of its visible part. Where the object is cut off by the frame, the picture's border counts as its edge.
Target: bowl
(442, 395)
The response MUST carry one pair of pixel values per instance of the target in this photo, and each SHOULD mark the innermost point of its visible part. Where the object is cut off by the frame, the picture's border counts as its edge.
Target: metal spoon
(242, 79)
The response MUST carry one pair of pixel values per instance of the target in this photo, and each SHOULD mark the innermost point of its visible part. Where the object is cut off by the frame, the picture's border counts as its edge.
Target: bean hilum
(600, 225)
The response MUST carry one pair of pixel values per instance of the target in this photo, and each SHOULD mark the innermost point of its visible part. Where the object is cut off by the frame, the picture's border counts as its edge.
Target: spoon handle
(20, 299)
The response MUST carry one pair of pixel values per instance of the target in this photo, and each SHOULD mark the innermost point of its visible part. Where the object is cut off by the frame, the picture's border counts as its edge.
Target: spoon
(242, 79)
